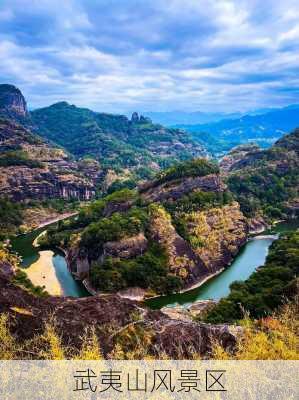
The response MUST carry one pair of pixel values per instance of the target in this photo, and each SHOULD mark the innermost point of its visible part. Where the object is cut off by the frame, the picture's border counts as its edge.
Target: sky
(152, 55)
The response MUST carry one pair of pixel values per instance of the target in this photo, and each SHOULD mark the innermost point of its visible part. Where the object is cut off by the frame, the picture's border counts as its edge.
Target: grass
(270, 338)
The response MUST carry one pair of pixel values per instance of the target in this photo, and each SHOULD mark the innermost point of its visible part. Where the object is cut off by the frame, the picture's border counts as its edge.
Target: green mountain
(114, 140)
(174, 231)
(266, 181)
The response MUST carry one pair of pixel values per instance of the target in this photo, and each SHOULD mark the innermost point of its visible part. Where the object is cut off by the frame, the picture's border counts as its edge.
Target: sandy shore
(42, 273)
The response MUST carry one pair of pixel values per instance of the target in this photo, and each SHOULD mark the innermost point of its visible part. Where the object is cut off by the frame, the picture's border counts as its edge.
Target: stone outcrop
(219, 233)
(182, 261)
(77, 261)
(22, 183)
(113, 207)
(190, 312)
(236, 155)
(174, 190)
(112, 317)
(257, 225)
(12, 102)
(126, 248)
(38, 171)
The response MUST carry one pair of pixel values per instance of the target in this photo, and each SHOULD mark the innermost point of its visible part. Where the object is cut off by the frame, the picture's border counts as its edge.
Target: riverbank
(42, 273)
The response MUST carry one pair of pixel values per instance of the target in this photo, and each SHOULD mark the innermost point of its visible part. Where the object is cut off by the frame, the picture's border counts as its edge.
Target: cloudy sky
(152, 55)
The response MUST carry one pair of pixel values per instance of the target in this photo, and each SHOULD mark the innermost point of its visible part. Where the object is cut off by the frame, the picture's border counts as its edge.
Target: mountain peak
(12, 101)
(140, 119)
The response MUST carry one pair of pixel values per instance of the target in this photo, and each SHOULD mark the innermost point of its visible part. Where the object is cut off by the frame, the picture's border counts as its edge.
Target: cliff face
(31, 169)
(12, 102)
(174, 190)
(216, 236)
(219, 233)
(187, 222)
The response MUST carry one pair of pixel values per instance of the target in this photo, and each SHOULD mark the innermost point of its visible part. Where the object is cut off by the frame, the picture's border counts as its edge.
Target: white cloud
(205, 54)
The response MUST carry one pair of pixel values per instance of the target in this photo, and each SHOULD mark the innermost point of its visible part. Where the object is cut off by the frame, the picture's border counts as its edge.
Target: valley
(123, 206)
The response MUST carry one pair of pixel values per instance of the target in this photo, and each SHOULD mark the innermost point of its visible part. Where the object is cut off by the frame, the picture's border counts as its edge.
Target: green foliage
(112, 139)
(195, 201)
(95, 210)
(190, 168)
(265, 289)
(55, 238)
(18, 157)
(264, 188)
(198, 200)
(148, 271)
(11, 217)
(119, 185)
(116, 227)
(268, 179)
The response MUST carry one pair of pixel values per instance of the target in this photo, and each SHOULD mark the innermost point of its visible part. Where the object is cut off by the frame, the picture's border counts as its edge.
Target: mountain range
(263, 129)
(170, 118)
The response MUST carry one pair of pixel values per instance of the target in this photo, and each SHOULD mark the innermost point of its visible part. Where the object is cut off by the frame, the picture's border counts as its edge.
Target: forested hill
(266, 181)
(114, 140)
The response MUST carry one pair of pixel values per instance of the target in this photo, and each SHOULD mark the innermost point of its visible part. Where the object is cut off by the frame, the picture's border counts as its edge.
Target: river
(252, 255)
(49, 268)
(46, 267)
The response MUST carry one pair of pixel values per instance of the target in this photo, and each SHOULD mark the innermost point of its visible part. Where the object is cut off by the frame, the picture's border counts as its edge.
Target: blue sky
(152, 55)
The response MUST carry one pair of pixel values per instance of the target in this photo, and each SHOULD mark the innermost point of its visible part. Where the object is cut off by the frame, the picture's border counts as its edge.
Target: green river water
(251, 256)
(23, 245)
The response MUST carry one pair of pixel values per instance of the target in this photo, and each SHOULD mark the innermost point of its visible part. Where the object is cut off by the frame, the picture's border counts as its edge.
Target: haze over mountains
(263, 129)
(170, 118)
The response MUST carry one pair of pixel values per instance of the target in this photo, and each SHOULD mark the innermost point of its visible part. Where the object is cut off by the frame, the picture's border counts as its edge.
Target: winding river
(46, 267)
(49, 268)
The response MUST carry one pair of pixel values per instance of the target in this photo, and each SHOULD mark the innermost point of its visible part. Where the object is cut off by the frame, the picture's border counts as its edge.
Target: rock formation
(31, 169)
(212, 234)
(112, 317)
(12, 102)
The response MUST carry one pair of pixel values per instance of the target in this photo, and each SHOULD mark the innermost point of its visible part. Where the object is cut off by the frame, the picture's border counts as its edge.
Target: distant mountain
(114, 140)
(170, 118)
(263, 129)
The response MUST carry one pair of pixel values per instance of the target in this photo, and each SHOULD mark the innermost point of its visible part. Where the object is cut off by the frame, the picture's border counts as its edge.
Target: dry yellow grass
(271, 338)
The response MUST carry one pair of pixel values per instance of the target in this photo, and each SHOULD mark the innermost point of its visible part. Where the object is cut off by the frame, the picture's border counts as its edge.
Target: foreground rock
(113, 319)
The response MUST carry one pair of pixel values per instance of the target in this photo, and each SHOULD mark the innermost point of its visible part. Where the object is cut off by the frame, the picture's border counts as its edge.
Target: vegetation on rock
(268, 180)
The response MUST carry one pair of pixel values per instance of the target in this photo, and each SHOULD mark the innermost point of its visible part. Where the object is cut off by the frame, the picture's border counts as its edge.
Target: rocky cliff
(12, 102)
(116, 322)
(174, 233)
(214, 237)
(32, 169)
